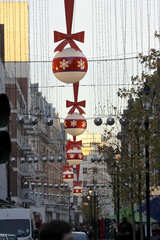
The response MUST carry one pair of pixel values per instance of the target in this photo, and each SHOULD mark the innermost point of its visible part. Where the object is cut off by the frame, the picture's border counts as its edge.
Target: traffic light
(5, 142)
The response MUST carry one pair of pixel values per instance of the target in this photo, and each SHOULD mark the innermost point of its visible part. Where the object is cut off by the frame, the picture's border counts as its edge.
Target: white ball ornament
(68, 176)
(77, 190)
(74, 156)
(75, 124)
(69, 65)
(110, 120)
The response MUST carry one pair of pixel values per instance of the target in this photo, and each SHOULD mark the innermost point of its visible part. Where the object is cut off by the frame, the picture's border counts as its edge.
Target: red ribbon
(77, 183)
(69, 37)
(67, 167)
(76, 104)
(77, 171)
(71, 144)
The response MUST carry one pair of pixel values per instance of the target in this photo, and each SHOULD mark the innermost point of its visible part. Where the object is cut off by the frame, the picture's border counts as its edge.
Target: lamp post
(118, 197)
(90, 209)
(147, 180)
(69, 208)
(117, 157)
(146, 93)
(70, 205)
(147, 104)
(93, 203)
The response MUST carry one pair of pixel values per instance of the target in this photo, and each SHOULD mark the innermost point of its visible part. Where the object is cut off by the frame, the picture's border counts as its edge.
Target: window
(84, 170)
(95, 170)
(18, 227)
(75, 200)
(84, 183)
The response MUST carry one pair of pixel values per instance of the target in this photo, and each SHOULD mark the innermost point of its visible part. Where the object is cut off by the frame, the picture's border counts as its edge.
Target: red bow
(76, 104)
(71, 144)
(69, 37)
(67, 167)
(77, 183)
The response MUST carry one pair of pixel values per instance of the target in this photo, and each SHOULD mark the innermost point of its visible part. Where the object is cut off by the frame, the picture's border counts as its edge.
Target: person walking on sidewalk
(125, 231)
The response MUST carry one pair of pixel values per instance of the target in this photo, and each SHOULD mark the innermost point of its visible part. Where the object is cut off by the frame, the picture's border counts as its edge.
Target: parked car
(80, 236)
(11, 237)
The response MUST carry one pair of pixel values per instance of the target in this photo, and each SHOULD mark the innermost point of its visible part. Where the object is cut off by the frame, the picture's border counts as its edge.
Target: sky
(115, 32)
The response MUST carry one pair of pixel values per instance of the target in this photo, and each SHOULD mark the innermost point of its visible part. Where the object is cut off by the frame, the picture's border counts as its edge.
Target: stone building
(36, 133)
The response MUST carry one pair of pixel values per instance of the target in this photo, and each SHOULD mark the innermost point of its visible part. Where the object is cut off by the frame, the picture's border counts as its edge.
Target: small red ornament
(75, 124)
(74, 156)
(68, 176)
(77, 189)
(69, 66)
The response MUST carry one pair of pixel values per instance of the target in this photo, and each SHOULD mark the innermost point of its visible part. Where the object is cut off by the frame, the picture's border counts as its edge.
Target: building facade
(37, 136)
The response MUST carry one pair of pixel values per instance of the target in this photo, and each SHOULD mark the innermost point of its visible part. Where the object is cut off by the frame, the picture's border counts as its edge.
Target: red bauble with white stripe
(75, 124)
(68, 176)
(74, 156)
(69, 65)
(77, 190)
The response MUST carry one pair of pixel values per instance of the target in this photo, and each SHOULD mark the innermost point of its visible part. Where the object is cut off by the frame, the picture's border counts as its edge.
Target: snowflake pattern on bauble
(81, 64)
(63, 64)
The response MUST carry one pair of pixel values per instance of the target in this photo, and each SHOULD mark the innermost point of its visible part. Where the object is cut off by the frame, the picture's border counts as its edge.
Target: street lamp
(146, 101)
(88, 197)
(90, 192)
(92, 197)
(89, 208)
(117, 157)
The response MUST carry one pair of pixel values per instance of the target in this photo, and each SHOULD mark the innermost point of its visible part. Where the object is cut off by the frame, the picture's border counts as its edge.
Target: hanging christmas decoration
(68, 174)
(20, 119)
(74, 156)
(76, 105)
(77, 188)
(75, 124)
(72, 144)
(49, 121)
(69, 37)
(69, 66)
(98, 121)
(110, 120)
(34, 120)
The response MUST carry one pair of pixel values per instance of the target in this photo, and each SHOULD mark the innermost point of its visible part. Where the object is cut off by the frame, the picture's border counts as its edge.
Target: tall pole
(8, 176)
(95, 217)
(8, 182)
(69, 208)
(91, 218)
(147, 165)
(118, 196)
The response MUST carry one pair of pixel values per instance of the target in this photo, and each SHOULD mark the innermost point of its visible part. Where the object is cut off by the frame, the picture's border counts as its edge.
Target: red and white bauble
(74, 156)
(77, 190)
(75, 124)
(69, 65)
(68, 176)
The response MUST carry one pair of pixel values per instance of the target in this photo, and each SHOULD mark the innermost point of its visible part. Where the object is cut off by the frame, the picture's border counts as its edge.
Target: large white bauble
(69, 65)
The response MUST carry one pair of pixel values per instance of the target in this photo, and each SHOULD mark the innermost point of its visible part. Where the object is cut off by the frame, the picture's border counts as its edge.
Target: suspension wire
(148, 25)
(116, 47)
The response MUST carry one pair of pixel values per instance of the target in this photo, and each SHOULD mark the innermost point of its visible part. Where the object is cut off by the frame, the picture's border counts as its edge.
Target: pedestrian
(125, 231)
(91, 233)
(56, 230)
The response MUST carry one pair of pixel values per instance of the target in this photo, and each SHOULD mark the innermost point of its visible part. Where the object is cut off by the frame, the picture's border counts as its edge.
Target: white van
(17, 221)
